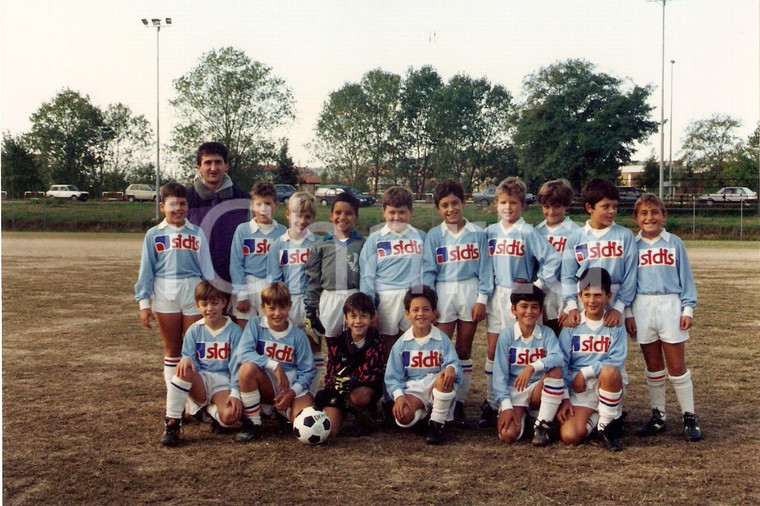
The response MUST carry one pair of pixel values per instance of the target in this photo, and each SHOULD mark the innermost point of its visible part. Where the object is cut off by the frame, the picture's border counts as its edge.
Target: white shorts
(254, 286)
(553, 302)
(214, 383)
(291, 377)
(455, 300)
(658, 317)
(423, 390)
(298, 311)
(331, 310)
(390, 312)
(521, 398)
(589, 398)
(175, 295)
(499, 310)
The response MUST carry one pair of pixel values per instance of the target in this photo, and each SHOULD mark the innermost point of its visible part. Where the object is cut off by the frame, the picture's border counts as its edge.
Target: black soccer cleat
(460, 419)
(609, 435)
(542, 433)
(654, 425)
(435, 433)
(691, 430)
(172, 427)
(488, 416)
(249, 432)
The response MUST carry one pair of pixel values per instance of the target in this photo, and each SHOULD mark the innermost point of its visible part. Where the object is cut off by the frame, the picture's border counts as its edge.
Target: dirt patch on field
(83, 404)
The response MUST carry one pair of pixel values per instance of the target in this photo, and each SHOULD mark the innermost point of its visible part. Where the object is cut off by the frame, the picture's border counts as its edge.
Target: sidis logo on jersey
(177, 241)
(256, 246)
(590, 343)
(598, 249)
(297, 256)
(458, 253)
(399, 247)
(558, 242)
(279, 352)
(212, 351)
(506, 247)
(652, 257)
(422, 359)
(525, 356)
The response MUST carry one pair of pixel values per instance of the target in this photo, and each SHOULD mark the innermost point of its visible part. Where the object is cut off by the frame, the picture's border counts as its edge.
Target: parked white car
(730, 194)
(67, 191)
(140, 192)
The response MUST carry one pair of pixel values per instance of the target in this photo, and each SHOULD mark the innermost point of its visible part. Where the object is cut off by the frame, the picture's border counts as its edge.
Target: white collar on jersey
(286, 237)
(518, 225)
(255, 226)
(518, 333)
(227, 322)
(187, 225)
(664, 235)
(565, 224)
(597, 232)
(277, 334)
(434, 334)
(387, 230)
(467, 226)
(592, 324)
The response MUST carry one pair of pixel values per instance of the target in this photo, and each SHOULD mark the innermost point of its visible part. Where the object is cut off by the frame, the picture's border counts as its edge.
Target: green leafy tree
(128, 147)
(231, 99)
(70, 134)
(577, 123)
(286, 169)
(21, 170)
(712, 144)
(742, 170)
(381, 102)
(650, 177)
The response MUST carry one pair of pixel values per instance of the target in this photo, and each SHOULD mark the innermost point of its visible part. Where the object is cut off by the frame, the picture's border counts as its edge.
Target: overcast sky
(101, 49)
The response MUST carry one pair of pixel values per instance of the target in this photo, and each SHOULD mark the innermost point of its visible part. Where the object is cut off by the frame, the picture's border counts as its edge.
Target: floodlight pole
(670, 163)
(662, 107)
(156, 23)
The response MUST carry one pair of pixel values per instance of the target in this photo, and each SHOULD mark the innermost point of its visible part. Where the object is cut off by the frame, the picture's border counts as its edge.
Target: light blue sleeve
(237, 260)
(394, 370)
(144, 285)
(204, 259)
(688, 288)
(618, 350)
(549, 261)
(451, 358)
(570, 267)
(305, 368)
(274, 271)
(368, 267)
(188, 345)
(566, 347)
(501, 366)
(627, 290)
(245, 351)
(554, 357)
(429, 265)
(485, 267)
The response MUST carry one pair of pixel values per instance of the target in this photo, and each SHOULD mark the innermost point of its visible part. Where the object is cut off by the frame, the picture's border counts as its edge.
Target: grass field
(83, 402)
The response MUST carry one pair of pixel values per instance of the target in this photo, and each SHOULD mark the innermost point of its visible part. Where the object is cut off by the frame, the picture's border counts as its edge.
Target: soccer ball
(311, 426)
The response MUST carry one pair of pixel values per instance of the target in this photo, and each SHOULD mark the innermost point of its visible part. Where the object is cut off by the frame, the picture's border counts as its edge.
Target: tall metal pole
(670, 163)
(158, 127)
(662, 107)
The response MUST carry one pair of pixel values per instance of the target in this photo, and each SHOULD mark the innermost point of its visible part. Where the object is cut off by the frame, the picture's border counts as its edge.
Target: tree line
(572, 122)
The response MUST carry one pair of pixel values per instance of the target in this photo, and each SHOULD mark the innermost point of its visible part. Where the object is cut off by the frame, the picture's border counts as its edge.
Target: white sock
(418, 415)
(551, 397)
(464, 388)
(170, 368)
(251, 406)
(441, 404)
(591, 422)
(213, 412)
(684, 391)
(319, 363)
(610, 405)
(656, 387)
(176, 397)
(489, 383)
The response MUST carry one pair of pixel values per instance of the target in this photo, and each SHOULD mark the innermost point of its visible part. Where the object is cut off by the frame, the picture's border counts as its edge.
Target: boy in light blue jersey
(203, 375)
(594, 354)
(248, 254)
(273, 364)
(661, 315)
(391, 262)
(175, 258)
(600, 243)
(517, 251)
(287, 261)
(456, 262)
(527, 371)
(555, 198)
(423, 370)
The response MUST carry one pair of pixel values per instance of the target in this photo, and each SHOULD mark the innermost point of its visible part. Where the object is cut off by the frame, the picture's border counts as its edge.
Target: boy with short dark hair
(457, 264)
(661, 315)
(600, 243)
(594, 354)
(354, 376)
(273, 363)
(517, 252)
(175, 258)
(555, 198)
(248, 254)
(527, 370)
(202, 379)
(423, 370)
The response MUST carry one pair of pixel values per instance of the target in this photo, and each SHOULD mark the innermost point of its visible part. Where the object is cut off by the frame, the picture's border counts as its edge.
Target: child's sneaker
(249, 432)
(435, 433)
(610, 434)
(488, 416)
(170, 436)
(655, 425)
(542, 433)
(691, 430)
(460, 419)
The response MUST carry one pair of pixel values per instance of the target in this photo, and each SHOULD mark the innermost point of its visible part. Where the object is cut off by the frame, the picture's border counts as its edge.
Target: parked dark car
(487, 196)
(629, 194)
(326, 194)
(284, 191)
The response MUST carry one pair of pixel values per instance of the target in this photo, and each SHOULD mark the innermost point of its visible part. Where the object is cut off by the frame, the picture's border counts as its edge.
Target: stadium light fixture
(156, 23)
(670, 163)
